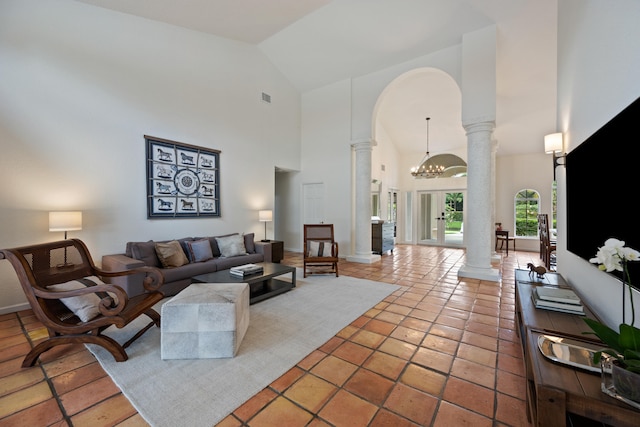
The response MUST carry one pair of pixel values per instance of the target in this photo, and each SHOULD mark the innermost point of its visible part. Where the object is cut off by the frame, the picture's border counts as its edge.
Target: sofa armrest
(132, 284)
(120, 262)
(266, 250)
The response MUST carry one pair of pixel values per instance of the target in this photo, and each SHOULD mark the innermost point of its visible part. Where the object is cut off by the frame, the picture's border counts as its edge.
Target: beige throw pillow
(319, 249)
(171, 254)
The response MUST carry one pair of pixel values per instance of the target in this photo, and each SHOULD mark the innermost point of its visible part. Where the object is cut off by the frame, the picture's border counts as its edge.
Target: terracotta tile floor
(438, 352)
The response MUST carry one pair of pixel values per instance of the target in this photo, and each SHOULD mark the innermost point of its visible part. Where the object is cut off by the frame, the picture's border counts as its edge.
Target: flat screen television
(602, 180)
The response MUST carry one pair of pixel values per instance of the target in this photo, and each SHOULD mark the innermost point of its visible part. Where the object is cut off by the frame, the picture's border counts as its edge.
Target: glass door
(441, 218)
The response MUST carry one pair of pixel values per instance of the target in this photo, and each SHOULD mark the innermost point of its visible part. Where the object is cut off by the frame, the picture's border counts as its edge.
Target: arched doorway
(400, 140)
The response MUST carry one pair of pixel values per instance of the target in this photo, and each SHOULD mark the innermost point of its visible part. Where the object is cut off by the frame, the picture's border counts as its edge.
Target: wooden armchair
(320, 249)
(67, 294)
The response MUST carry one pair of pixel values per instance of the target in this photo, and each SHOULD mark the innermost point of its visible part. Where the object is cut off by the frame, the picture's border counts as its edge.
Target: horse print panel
(182, 180)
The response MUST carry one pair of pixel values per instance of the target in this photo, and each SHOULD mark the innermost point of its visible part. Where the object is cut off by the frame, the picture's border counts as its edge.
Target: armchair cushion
(83, 306)
(231, 246)
(319, 248)
(199, 250)
(171, 254)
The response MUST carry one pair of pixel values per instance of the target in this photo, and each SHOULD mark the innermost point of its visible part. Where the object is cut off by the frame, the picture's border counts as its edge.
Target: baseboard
(15, 308)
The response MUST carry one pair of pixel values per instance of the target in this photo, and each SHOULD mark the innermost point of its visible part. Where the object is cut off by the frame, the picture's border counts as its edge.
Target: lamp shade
(265, 216)
(553, 143)
(65, 221)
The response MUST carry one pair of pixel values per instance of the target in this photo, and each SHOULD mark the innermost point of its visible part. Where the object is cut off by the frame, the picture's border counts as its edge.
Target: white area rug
(282, 331)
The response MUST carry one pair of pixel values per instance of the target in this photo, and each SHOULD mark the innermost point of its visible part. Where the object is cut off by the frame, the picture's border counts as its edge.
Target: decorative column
(495, 257)
(362, 217)
(480, 232)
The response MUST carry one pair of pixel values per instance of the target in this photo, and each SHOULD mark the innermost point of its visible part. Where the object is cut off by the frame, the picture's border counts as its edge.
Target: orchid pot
(626, 383)
(622, 347)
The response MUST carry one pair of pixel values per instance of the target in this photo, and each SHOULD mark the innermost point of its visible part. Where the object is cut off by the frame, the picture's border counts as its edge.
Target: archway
(399, 132)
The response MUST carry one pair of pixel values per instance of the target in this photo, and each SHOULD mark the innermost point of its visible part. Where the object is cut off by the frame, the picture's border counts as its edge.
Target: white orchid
(625, 345)
(612, 255)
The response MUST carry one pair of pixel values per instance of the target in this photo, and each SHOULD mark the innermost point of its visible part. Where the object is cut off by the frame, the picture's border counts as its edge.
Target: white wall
(598, 63)
(326, 156)
(515, 173)
(80, 86)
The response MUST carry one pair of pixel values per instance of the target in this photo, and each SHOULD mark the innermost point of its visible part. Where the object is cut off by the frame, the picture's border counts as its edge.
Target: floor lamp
(265, 216)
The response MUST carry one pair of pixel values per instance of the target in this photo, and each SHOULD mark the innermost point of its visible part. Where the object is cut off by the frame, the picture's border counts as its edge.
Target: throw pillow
(322, 249)
(199, 250)
(249, 243)
(145, 252)
(84, 306)
(215, 250)
(231, 245)
(171, 254)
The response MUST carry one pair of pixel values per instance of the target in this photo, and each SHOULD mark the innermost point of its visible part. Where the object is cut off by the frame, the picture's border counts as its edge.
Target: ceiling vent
(266, 98)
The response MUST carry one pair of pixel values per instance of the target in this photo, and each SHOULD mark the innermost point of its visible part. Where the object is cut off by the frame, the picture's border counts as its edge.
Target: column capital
(479, 126)
(362, 144)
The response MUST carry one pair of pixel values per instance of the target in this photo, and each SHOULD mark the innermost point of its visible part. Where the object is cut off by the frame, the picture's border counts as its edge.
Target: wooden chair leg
(108, 343)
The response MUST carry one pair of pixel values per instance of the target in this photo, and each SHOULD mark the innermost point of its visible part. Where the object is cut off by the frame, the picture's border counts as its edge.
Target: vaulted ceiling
(318, 42)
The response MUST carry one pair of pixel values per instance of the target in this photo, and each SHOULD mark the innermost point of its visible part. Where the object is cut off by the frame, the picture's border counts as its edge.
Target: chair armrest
(108, 306)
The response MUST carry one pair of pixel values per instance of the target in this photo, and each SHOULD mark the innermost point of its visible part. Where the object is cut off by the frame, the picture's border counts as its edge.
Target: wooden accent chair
(502, 236)
(320, 249)
(67, 294)
(547, 246)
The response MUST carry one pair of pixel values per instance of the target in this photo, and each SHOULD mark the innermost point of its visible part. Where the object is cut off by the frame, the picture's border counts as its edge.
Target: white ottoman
(205, 320)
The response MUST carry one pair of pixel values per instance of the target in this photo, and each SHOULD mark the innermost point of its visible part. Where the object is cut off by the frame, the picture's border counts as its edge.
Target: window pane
(527, 208)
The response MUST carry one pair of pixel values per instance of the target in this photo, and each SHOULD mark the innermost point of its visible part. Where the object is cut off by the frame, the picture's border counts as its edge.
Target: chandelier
(424, 170)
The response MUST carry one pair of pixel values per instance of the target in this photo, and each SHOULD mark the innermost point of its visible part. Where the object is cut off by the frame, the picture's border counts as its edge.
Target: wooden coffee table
(261, 286)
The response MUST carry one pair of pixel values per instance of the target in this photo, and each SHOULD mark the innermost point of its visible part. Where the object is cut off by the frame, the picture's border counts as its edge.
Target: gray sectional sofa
(178, 273)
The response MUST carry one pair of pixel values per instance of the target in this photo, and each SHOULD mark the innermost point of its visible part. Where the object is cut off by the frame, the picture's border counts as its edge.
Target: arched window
(526, 210)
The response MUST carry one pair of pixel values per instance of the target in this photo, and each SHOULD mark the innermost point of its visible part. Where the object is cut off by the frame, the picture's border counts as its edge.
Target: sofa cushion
(187, 271)
(171, 254)
(231, 246)
(199, 250)
(86, 307)
(145, 252)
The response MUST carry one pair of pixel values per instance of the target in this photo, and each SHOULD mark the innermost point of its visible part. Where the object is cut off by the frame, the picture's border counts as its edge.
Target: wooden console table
(556, 392)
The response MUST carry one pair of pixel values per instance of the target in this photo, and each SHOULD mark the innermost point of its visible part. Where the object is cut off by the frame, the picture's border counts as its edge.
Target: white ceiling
(318, 42)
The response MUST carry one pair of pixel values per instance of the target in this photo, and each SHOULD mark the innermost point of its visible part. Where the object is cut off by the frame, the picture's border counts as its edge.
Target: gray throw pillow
(249, 245)
(199, 250)
(231, 245)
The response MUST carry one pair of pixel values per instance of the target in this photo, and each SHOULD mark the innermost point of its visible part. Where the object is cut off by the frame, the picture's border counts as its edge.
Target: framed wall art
(183, 181)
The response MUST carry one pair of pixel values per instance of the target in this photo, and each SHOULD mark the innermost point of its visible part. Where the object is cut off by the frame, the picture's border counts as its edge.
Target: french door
(441, 218)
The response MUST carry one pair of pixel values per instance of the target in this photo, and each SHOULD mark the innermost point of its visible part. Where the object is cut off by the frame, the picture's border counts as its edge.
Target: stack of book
(557, 299)
(245, 270)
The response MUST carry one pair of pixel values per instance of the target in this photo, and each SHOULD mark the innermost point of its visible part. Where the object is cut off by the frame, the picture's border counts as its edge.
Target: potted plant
(622, 346)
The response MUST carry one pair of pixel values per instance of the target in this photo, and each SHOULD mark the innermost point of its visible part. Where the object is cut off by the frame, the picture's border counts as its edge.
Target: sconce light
(65, 221)
(265, 216)
(553, 144)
